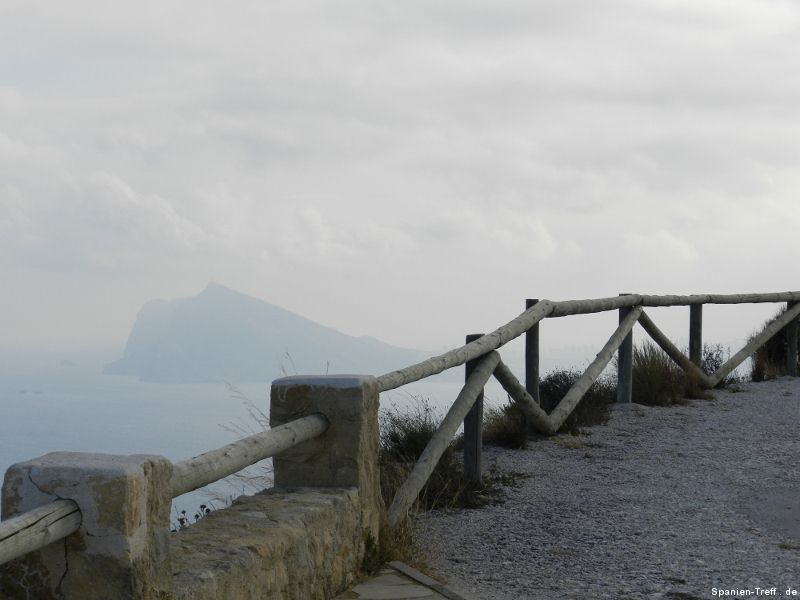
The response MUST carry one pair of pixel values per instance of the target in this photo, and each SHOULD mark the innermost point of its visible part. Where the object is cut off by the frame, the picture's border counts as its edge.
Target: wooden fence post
(532, 356)
(791, 344)
(625, 362)
(473, 428)
(696, 334)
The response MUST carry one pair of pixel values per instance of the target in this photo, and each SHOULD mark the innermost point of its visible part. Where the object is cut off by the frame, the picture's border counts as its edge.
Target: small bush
(714, 356)
(395, 544)
(404, 435)
(593, 409)
(403, 439)
(505, 426)
(183, 520)
(770, 360)
(657, 380)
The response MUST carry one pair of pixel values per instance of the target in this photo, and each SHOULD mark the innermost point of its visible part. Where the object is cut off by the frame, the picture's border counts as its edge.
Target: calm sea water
(77, 409)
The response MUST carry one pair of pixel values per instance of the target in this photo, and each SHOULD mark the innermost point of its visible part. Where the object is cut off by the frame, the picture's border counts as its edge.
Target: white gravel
(659, 503)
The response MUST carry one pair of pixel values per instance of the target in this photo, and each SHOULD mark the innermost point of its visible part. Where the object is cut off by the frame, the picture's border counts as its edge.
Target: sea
(51, 404)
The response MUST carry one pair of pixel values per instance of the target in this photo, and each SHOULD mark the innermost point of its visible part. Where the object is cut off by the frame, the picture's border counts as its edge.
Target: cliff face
(223, 335)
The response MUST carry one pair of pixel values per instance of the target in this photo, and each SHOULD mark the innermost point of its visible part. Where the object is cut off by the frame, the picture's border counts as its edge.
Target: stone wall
(303, 544)
(304, 539)
(294, 541)
(122, 547)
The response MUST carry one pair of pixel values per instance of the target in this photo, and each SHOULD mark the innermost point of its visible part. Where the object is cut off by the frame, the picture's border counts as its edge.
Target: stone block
(347, 453)
(304, 544)
(121, 550)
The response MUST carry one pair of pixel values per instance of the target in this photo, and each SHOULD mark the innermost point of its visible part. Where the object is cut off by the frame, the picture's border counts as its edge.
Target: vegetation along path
(693, 501)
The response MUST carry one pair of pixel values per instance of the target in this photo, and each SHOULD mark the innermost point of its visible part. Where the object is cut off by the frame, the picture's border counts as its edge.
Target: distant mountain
(223, 335)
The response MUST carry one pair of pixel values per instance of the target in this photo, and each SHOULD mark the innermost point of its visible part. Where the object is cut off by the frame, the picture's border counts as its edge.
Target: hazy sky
(408, 170)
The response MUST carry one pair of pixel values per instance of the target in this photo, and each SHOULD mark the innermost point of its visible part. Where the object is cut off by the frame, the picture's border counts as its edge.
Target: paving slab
(398, 581)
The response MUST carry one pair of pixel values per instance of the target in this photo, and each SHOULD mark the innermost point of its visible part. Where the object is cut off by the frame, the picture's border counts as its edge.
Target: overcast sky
(403, 169)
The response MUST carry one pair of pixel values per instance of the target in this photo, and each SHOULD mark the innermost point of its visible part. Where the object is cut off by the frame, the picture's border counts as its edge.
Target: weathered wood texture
(710, 381)
(532, 356)
(537, 417)
(37, 528)
(625, 362)
(453, 358)
(758, 341)
(718, 299)
(550, 424)
(576, 307)
(214, 465)
(696, 334)
(473, 427)
(672, 351)
(416, 480)
(576, 392)
(548, 309)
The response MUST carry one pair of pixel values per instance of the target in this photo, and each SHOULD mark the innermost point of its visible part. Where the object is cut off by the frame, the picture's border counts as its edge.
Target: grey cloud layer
(573, 146)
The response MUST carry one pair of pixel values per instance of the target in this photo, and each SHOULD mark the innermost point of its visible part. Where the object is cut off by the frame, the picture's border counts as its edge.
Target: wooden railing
(482, 351)
(54, 521)
(46, 524)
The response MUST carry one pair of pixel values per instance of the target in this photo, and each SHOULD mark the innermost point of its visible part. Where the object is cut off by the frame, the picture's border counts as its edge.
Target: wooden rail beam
(535, 414)
(546, 309)
(580, 387)
(711, 381)
(453, 358)
(37, 528)
(212, 466)
(758, 341)
(566, 308)
(416, 480)
(473, 427)
(673, 352)
(550, 424)
(672, 300)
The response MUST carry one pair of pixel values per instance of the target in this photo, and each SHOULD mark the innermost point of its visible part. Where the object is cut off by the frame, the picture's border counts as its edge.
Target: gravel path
(659, 503)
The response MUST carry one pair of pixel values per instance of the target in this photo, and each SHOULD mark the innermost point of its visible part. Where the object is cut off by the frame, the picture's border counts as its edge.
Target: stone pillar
(121, 550)
(346, 455)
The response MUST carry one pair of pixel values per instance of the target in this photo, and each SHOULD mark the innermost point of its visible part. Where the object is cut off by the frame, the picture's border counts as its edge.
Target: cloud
(661, 244)
(393, 142)
(94, 222)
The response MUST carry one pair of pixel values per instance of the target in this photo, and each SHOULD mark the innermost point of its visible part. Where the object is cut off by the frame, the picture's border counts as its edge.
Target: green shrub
(593, 409)
(770, 360)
